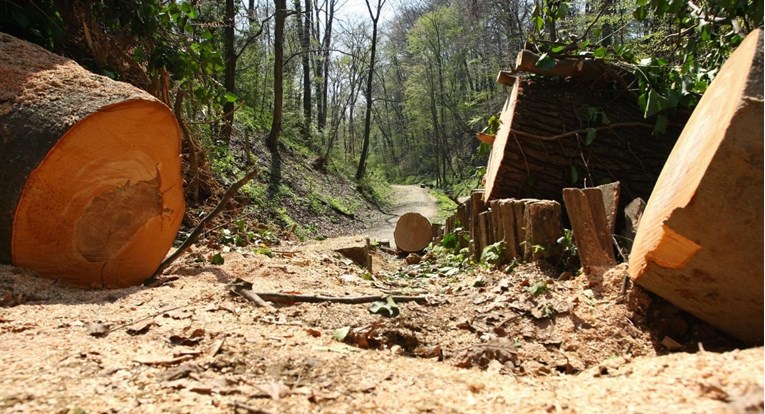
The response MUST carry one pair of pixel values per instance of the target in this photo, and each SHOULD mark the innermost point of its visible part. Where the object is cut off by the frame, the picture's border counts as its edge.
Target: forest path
(406, 198)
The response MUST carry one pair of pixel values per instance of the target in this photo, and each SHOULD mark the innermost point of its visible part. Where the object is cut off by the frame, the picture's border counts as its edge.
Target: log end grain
(413, 232)
(700, 242)
(104, 206)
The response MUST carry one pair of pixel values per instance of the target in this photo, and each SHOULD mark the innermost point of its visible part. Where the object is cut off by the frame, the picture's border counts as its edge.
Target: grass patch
(446, 207)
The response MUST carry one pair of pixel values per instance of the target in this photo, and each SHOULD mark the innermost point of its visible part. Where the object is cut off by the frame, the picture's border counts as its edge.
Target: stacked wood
(542, 145)
(530, 228)
(700, 243)
(413, 233)
(90, 175)
(592, 213)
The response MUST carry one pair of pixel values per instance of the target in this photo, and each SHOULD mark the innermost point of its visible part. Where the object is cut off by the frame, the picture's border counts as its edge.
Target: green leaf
(591, 133)
(661, 125)
(574, 175)
(230, 97)
(341, 333)
(389, 309)
(600, 52)
(653, 104)
(545, 62)
(557, 49)
(217, 259)
(538, 288)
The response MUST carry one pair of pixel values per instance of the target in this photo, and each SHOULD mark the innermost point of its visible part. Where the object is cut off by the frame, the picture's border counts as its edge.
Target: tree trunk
(90, 185)
(562, 133)
(699, 244)
(368, 91)
(229, 75)
(306, 46)
(272, 142)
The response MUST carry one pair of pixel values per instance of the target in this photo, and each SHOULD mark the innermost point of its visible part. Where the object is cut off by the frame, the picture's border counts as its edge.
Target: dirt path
(407, 198)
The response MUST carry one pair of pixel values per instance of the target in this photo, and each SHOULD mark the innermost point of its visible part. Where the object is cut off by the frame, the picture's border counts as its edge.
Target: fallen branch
(352, 300)
(581, 131)
(240, 285)
(200, 227)
(251, 296)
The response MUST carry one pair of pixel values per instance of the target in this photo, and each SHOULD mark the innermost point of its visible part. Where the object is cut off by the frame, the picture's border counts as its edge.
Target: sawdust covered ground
(516, 340)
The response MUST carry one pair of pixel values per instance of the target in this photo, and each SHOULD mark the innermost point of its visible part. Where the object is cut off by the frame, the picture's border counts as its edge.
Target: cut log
(542, 144)
(543, 227)
(700, 240)
(579, 69)
(611, 193)
(477, 206)
(587, 213)
(413, 233)
(90, 183)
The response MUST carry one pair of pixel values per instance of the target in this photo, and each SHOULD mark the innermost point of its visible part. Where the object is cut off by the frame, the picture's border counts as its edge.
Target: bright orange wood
(104, 206)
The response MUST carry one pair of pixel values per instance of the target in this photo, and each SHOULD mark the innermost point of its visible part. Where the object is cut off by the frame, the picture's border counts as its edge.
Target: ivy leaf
(661, 125)
(545, 62)
(591, 133)
(230, 97)
(389, 309)
(217, 259)
(558, 49)
(600, 52)
(341, 333)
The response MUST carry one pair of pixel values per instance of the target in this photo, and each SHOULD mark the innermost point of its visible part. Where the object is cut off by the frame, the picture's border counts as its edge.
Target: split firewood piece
(587, 213)
(700, 241)
(91, 189)
(413, 233)
(477, 206)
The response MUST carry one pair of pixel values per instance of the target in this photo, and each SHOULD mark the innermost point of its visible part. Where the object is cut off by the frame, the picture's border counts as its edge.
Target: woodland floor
(519, 340)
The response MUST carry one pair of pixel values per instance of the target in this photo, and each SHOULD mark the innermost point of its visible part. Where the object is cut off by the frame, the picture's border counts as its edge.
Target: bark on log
(413, 233)
(700, 241)
(541, 146)
(579, 69)
(587, 213)
(90, 184)
(543, 227)
(477, 206)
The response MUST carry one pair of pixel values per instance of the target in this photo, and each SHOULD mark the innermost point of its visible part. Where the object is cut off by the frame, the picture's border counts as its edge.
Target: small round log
(90, 180)
(413, 233)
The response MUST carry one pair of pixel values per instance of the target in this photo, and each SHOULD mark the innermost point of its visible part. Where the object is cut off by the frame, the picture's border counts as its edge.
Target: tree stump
(90, 178)
(543, 227)
(413, 233)
(700, 240)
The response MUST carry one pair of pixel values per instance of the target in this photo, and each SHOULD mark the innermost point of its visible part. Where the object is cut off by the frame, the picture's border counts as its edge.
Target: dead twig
(239, 286)
(200, 227)
(352, 300)
(581, 131)
(251, 296)
(146, 318)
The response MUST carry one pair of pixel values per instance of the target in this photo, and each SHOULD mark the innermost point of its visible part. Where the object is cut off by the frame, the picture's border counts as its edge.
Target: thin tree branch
(580, 131)
(351, 300)
(200, 227)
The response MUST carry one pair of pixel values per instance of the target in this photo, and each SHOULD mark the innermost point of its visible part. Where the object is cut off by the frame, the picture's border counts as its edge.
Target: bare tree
(272, 142)
(375, 16)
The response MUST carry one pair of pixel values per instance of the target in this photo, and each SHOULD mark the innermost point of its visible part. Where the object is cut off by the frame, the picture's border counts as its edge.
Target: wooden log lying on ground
(558, 133)
(413, 233)
(700, 240)
(90, 182)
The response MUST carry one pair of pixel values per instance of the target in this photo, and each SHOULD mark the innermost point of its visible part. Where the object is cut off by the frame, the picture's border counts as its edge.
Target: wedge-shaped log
(700, 240)
(90, 182)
